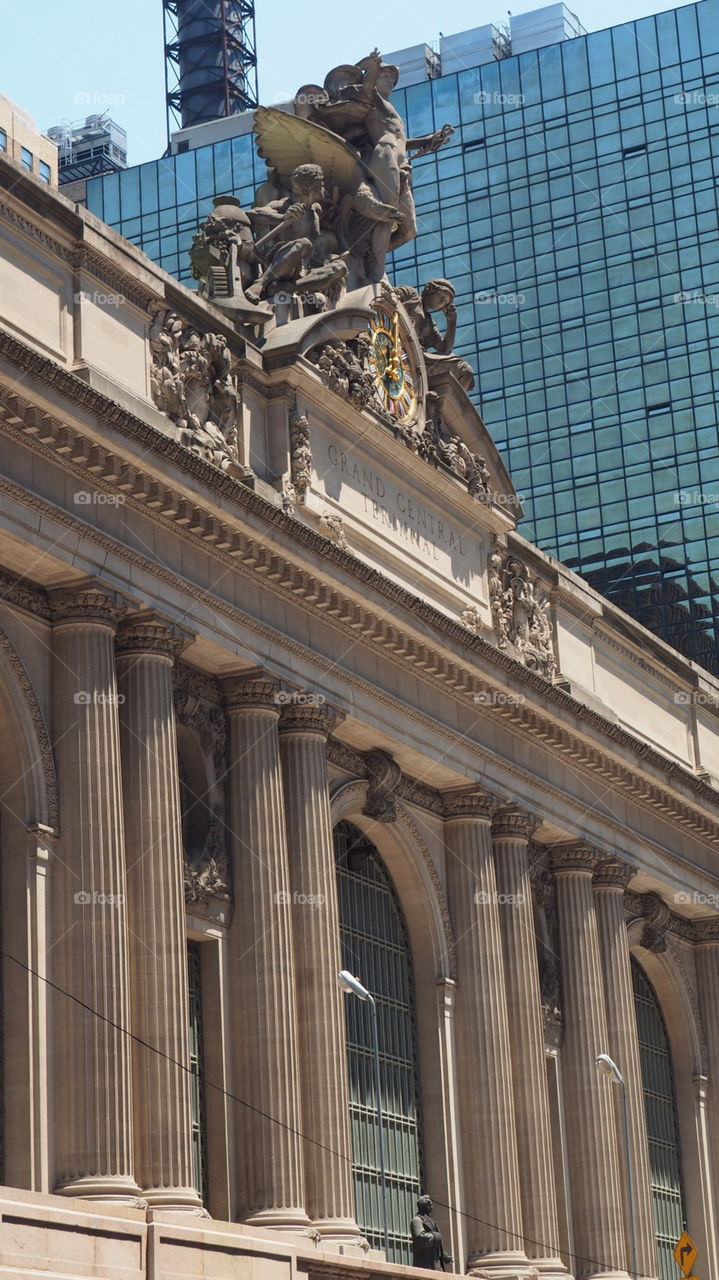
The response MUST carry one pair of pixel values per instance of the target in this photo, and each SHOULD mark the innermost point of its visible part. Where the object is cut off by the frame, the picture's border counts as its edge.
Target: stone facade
(525, 758)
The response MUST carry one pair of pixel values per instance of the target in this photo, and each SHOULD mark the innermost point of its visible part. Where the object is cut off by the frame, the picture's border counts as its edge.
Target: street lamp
(609, 1068)
(352, 986)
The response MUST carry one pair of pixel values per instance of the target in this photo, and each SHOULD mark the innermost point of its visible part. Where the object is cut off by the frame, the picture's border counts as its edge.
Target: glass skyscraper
(575, 210)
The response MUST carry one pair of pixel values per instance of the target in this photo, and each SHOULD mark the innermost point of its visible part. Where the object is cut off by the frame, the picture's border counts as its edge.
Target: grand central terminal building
(283, 692)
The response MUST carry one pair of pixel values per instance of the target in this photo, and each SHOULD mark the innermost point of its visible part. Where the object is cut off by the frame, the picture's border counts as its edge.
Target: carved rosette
(613, 874)
(468, 804)
(87, 602)
(566, 858)
(383, 775)
(513, 823)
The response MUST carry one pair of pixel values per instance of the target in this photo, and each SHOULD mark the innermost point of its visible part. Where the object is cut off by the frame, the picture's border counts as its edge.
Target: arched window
(661, 1113)
(375, 947)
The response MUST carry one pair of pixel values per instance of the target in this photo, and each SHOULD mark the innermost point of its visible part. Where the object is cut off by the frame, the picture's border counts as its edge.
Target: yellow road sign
(686, 1254)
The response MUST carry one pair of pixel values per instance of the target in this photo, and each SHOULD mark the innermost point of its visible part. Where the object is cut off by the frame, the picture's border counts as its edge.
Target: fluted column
(597, 1200)
(147, 646)
(610, 881)
(270, 1167)
(91, 1024)
(707, 954)
(511, 830)
(486, 1106)
(315, 918)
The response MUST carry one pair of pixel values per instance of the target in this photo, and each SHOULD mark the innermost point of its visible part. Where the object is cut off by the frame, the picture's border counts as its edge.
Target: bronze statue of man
(427, 1248)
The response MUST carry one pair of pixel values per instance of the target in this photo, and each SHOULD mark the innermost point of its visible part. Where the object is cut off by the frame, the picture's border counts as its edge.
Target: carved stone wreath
(521, 613)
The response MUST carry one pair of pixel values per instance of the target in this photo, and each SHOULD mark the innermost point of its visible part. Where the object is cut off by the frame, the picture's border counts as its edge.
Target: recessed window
(3, 140)
(45, 172)
(26, 159)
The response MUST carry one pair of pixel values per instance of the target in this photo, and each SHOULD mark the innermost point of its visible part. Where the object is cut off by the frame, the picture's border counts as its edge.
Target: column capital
(707, 930)
(612, 873)
(468, 802)
(254, 689)
(574, 857)
(510, 820)
(150, 632)
(89, 600)
(308, 717)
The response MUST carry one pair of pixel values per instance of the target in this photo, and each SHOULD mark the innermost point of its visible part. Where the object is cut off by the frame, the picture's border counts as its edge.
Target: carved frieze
(521, 613)
(300, 455)
(193, 382)
(332, 527)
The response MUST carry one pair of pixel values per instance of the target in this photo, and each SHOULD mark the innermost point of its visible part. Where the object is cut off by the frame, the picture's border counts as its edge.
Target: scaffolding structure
(210, 60)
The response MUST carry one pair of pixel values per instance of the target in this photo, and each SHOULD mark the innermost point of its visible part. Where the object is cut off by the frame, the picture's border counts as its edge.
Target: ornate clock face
(390, 364)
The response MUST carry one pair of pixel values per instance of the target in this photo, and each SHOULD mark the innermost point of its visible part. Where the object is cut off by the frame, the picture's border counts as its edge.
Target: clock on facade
(391, 364)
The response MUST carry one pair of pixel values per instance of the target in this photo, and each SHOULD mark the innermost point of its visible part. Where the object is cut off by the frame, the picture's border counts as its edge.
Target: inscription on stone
(398, 512)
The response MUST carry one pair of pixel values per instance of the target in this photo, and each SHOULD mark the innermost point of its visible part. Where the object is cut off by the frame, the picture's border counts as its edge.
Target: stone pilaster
(91, 1023)
(511, 830)
(270, 1165)
(147, 646)
(315, 918)
(707, 967)
(492, 1202)
(597, 1201)
(610, 881)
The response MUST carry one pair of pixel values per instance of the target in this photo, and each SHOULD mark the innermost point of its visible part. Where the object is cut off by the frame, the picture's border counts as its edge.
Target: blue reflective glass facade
(576, 212)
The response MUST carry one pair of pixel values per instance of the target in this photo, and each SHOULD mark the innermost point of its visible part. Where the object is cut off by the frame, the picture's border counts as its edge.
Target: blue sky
(62, 59)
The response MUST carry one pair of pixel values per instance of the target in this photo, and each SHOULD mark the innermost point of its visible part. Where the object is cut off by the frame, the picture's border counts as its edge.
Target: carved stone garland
(208, 876)
(521, 613)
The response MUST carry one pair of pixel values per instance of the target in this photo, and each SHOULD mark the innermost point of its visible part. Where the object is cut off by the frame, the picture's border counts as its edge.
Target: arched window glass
(375, 947)
(661, 1113)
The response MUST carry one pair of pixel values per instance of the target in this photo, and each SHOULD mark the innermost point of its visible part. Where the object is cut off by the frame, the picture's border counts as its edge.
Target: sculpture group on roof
(336, 201)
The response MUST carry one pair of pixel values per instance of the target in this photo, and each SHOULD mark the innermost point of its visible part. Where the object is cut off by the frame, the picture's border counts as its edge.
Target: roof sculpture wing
(285, 141)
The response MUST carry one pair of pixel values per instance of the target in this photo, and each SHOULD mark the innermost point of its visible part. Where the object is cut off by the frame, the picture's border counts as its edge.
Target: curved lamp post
(609, 1068)
(352, 986)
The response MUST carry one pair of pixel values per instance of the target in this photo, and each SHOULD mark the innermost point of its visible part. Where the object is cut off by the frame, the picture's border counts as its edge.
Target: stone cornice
(283, 575)
(573, 858)
(513, 823)
(706, 930)
(613, 874)
(90, 601)
(468, 803)
(151, 633)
